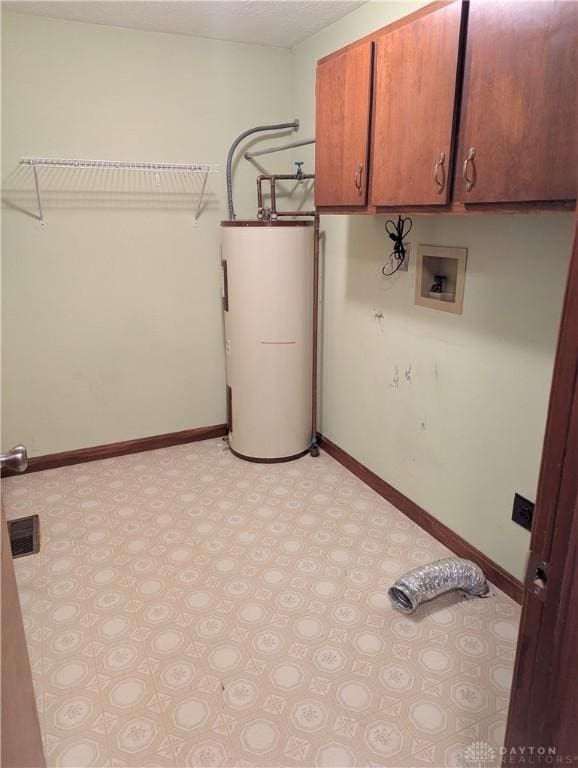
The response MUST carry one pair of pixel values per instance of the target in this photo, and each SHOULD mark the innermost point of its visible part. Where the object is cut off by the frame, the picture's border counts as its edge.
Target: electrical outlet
(393, 266)
(523, 511)
(405, 266)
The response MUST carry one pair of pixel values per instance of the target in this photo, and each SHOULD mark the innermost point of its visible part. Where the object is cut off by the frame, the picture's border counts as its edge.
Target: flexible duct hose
(235, 144)
(429, 581)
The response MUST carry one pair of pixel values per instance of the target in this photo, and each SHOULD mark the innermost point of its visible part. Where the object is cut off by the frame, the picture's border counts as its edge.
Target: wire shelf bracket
(200, 204)
(202, 169)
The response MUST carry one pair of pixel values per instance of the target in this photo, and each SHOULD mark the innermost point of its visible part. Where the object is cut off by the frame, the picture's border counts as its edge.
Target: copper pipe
(296, 213)
(285, 177)
(260, 180)
(272, 181)
(316, 235)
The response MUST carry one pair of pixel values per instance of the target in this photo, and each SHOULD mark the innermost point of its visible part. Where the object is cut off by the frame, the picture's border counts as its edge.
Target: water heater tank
(268, 296)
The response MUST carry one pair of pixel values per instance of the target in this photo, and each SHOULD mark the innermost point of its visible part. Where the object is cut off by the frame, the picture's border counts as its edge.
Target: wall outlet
(523, 511)
(405, 266)
(392, 263)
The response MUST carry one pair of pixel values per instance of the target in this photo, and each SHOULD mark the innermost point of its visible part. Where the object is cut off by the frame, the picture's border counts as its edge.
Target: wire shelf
(36, 163)
(120, 165)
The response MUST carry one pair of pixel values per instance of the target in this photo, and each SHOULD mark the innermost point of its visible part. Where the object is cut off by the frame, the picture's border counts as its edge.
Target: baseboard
(495, 573)
(67, 458)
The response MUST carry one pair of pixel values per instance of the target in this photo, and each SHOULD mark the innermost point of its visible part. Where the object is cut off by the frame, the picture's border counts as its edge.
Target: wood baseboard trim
(67, 458)
(495, 573)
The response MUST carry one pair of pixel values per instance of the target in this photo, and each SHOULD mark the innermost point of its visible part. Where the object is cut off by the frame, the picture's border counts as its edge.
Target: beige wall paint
(448, 409)
(112, 315)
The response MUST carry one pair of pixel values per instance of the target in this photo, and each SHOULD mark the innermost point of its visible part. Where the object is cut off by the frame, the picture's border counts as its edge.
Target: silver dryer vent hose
(233, 147)
(429, 581)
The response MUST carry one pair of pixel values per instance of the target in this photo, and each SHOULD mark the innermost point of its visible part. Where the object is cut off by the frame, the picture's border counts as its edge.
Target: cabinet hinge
(536, 581)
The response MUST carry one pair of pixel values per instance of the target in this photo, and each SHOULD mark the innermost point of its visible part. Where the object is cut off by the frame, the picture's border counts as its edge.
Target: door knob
(16, 459)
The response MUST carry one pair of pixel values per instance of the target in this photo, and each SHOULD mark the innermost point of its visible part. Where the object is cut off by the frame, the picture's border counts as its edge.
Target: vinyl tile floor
(191, 609)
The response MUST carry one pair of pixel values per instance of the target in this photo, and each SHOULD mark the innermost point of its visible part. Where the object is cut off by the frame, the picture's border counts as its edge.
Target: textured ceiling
(282, 23)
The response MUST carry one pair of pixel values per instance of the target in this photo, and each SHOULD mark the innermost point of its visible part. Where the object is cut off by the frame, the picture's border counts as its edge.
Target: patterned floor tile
(78, 751)
(191, 609)
(140, 739)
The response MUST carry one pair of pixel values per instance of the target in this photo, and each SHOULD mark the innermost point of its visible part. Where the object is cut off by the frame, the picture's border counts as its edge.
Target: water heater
(268, 274)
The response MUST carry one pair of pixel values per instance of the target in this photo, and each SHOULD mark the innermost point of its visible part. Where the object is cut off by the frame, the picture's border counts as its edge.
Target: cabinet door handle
(439, 166)
(470, 180)
(357, 179)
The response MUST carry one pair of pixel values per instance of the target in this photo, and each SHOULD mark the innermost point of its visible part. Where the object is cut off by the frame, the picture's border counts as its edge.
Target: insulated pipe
(270, 150)
(429, 581)
(233, 147)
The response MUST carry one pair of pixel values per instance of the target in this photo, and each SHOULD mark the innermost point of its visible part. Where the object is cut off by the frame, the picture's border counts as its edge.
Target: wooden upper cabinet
(500, 73)
(416, 70)
(518, 133)
(342, 127)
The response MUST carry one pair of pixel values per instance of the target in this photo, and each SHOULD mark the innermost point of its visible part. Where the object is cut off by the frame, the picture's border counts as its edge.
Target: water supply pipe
(233, 147)
(270, 150)
(272, 214)
(273, 179)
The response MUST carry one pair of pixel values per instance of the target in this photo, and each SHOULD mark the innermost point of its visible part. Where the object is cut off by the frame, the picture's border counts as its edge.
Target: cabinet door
(414, 107)
(342, 127)
(518, 135)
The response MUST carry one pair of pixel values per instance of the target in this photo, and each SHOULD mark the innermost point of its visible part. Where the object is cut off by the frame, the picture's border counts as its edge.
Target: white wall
(112, 315)
(448, 409)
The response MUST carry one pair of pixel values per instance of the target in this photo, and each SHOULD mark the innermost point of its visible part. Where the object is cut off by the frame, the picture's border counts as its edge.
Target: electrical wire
(397, 232)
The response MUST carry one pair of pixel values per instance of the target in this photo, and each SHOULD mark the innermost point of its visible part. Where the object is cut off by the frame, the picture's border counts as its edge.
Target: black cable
(397, 232)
